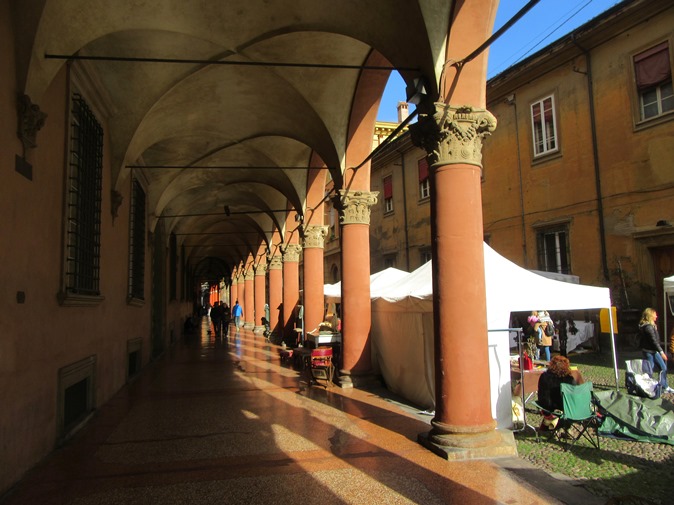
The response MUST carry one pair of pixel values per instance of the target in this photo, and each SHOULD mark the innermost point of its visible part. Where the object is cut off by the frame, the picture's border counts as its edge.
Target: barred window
(173, 267)
(553, 249)
(83, 219)
(137, 242)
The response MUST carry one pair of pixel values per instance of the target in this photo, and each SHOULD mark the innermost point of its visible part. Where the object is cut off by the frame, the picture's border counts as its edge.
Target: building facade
(578, 177)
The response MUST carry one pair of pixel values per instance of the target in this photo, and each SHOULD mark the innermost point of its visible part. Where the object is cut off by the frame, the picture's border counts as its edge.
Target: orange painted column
(314, 239)
(233, 292)
(291, 290)
(249, 305)
(241, 291)
(453, 138)
(276, 295)
(259, 286)
(356, 311)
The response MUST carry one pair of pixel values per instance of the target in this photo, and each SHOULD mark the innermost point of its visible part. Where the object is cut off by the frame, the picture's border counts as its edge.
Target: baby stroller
(639, 379)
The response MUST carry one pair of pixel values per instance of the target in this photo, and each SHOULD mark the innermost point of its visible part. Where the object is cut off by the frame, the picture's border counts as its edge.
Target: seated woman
(549, 390)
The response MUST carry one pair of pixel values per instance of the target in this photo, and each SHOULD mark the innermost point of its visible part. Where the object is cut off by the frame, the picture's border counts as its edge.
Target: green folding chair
(579, 413)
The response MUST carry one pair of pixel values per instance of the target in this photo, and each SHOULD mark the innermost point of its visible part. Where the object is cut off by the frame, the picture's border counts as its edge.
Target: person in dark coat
(650, 345)
(549, 383)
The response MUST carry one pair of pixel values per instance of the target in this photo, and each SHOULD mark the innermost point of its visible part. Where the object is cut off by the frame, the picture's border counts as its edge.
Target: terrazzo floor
(222, 421)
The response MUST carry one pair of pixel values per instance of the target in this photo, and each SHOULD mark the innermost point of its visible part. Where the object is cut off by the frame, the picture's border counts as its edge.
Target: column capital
(291, 253)
(261, 269)
(453, 134)
(250, 274)
(275, 262)
(354, 206)
(314, 236)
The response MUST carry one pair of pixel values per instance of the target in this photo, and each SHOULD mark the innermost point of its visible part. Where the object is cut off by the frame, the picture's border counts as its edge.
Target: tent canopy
(402, 326)
(379, 281)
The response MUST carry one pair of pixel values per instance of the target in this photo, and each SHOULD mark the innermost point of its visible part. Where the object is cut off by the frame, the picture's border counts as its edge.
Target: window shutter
(652, 67)
(388, 187)
(423, 169)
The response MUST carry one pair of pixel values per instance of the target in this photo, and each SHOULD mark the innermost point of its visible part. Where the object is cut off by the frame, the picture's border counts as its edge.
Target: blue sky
(546, 22)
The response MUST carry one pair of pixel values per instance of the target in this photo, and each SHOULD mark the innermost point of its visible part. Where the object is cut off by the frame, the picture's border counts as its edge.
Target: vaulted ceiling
(226, 103)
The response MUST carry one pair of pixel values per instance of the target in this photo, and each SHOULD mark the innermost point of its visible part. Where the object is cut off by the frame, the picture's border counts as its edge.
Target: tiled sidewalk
(221, 421)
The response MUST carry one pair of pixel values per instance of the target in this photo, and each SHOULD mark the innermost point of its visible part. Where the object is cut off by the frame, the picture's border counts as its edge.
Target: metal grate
(137, 243)
(553, 250)
(84, 201)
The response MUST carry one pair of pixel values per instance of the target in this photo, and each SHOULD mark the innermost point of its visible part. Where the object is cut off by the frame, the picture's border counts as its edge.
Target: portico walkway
(221, 421)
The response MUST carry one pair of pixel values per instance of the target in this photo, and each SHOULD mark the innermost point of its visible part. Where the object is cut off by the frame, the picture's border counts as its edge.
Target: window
(654, 81)
(390, 261)
(83, 209)
(388, 194)
(553, 250)
(137, 242)
(424, 182)
(543, 126)
(173, 267)
(425, 256)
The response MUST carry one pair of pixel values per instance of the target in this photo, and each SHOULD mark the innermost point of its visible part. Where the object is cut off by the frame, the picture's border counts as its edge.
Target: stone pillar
(259, 285)
(276, 296)
(249, 304)
(291, 291)
(233, 292)
(356, 312)
(463, 426)
(241, 292)
(314, 239)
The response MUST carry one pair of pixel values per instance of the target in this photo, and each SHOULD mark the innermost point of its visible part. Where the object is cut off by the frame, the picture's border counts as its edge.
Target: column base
(490, 445)
(248, 325)
(258, 329)
(347, 380)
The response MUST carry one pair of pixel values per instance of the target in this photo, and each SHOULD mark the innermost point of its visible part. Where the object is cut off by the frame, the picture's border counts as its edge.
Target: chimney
(403, 111)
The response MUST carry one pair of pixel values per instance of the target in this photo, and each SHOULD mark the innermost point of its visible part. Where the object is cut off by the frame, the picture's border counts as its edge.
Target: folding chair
(578, 412)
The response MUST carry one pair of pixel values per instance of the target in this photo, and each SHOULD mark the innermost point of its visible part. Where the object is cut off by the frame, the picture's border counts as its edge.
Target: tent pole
(615, 360)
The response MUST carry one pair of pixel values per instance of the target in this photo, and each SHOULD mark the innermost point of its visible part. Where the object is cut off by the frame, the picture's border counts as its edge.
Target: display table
(529, 378)
(324, 338)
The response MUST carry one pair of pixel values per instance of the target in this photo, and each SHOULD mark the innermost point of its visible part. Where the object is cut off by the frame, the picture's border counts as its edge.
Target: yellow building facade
(578, 177)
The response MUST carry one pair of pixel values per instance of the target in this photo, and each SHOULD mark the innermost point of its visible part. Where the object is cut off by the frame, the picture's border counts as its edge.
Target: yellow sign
(604, 324)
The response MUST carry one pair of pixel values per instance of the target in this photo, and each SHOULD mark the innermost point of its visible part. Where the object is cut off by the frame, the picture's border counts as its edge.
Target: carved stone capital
(249, 275)
(354, 206)
(30, 120)
(291, 253)
(314, 236)
(453, 135)
(275, 262)
(261, 269)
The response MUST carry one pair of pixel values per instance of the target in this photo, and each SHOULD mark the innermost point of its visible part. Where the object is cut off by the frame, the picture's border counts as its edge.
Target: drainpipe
(510, 100)
(595, 157)
(407, 237)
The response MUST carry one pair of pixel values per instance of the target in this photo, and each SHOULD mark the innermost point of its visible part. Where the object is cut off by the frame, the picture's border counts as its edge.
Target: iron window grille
(85, 176)
(173, 267)
(137, 242)
(553, 250)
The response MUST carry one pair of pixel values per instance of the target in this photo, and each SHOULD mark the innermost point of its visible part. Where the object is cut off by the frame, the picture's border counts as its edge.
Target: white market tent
(402, 326)
(378, 281)
(668, 302)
